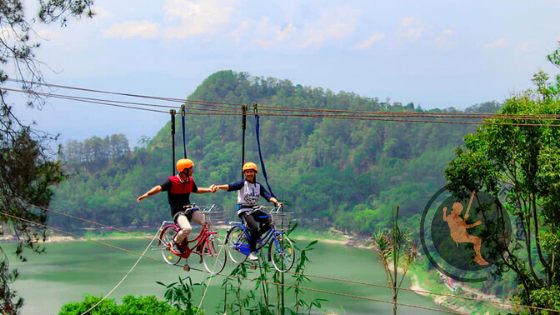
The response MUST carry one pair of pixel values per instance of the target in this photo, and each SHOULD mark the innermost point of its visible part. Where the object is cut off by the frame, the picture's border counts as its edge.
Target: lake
(69, 270)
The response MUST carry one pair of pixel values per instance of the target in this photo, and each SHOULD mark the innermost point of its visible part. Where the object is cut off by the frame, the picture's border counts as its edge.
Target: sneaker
(252, 256)
(175, 248)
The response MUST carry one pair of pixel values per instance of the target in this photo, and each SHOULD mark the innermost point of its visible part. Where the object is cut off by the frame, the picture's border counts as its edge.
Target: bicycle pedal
(253, 266)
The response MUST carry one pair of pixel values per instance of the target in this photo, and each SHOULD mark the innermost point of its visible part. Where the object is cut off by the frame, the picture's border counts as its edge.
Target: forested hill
(346, 173)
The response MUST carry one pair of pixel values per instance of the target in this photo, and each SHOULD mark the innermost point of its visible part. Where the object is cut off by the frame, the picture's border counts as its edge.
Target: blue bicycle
(281, 251)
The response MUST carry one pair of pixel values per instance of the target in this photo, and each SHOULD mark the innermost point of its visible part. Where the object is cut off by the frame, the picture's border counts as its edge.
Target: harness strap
(173, 112)
(243, 126)
(257, 126)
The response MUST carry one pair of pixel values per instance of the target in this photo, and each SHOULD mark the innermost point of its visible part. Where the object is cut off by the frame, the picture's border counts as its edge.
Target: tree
(522, 162)
(395, 249)
(26, 168)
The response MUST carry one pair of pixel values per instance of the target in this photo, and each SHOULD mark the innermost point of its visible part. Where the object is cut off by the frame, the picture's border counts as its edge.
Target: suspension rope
(223, 245)
(124, 277)
(257, 127)
(173, 112)
(184, 131)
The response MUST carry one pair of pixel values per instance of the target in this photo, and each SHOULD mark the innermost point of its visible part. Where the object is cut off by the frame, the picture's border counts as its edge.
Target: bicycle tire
(282, 253)
(214, 256)
(235, 242)
(166, 241)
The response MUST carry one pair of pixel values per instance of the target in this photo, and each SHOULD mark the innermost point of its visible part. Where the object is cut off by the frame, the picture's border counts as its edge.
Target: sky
(452, 53)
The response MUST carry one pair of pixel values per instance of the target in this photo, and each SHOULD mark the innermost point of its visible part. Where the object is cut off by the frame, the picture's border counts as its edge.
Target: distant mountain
(333, 172)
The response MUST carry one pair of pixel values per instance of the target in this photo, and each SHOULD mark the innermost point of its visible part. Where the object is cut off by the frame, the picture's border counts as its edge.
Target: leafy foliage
(179, 295)
(396, 249)
(521, 163)
(26, 167)
(131, 305)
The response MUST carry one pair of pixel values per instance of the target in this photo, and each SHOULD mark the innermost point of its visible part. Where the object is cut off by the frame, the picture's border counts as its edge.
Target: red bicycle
(207, 244)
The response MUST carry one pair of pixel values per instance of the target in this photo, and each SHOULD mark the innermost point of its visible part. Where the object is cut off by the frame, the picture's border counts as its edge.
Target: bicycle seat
(191, 207)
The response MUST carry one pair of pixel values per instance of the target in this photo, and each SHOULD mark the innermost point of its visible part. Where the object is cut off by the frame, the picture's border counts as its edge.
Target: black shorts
(188, 213)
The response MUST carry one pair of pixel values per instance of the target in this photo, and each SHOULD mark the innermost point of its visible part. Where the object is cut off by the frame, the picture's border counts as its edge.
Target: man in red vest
(179, 188)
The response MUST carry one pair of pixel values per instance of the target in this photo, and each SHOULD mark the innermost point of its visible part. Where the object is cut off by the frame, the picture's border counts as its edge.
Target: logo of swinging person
(464, 237)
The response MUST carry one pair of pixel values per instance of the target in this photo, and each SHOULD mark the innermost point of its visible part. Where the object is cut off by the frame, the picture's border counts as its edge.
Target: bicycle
(206, 244)
(281, 251)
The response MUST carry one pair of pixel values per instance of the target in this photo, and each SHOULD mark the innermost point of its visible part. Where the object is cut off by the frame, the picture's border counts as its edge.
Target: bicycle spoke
(282, 253)
(237, 244)
(166, 240)
(214, 255)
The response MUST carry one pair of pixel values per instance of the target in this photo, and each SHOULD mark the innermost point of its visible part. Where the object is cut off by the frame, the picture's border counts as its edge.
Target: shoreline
(347, 240)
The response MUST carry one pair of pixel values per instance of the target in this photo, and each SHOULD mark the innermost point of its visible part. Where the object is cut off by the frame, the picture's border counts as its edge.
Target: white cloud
(496, 44)
(444, 39)
(411, 29)
(141, 29)
(49, 35)
(370, 41)
(271, 35)
(6, 34)
(242, 28)
(329, 26)
(197, 17)
(101, 13)
(528, 46)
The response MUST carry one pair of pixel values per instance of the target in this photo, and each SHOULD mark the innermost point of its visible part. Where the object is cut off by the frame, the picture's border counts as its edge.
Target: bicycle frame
(271, 235)
(201, 240)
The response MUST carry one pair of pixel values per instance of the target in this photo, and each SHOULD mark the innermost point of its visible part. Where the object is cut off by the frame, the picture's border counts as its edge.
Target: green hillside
(330, 172)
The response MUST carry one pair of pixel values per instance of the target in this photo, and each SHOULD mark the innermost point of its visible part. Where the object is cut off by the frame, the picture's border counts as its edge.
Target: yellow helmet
(183, 164)
(250, 166)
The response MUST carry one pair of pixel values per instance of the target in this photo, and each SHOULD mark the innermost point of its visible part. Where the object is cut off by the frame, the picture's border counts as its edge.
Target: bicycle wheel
(166, 240)
(237, 244)
(214, 255)
(282, 252)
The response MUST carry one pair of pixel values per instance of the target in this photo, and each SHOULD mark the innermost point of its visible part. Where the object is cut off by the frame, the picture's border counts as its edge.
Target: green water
(70, 270)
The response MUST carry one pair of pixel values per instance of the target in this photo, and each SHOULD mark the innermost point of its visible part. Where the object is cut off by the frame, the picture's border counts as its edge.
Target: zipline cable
(373, 116)
(278, 108)
(318, 110)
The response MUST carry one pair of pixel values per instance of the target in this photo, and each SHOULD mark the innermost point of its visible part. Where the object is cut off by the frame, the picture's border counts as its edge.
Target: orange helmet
(183, 164)
(250, 166)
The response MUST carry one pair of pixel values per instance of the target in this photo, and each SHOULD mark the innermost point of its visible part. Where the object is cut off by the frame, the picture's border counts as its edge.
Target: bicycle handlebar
(274, 209)
(209, 209)
(195, 207)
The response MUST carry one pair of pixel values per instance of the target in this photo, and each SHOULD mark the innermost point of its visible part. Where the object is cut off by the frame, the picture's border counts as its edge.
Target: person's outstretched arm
(151, 192)
(231, 187)
(222, 187)
(203, 190)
